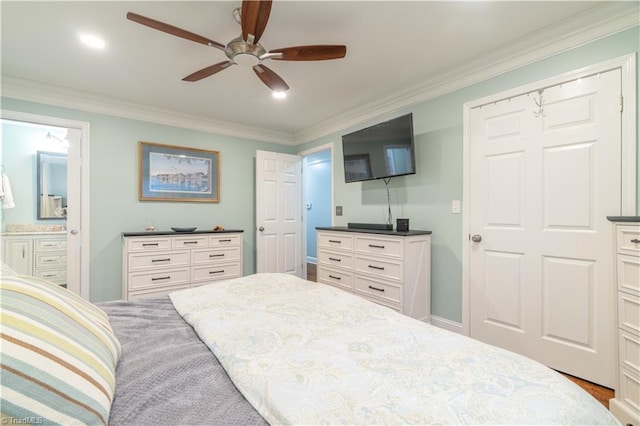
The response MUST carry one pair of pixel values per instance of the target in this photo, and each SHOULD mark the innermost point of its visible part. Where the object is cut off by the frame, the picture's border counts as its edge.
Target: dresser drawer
(205, 274)
(335, 259)
(390, 293)
(162, 260)
(629, 352)
(630, 389)
(154, 292)
(213, 256)
(379, 246)
(629, 312)
(384, 269)
(55, 275)
(340, 241)
(628, 273)
(225, 240)
(50, 245)
(44, 260)
(382, 302)
(336, 278)
(160, 278)
(628, 240)
(189, 242)
(148, 244)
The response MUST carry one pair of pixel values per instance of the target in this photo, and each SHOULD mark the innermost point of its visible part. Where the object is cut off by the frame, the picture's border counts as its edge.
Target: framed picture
(176, 173)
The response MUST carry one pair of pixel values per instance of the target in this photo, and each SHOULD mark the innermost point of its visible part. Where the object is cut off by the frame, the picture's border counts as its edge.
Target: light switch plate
(338, 210)
(455, 206)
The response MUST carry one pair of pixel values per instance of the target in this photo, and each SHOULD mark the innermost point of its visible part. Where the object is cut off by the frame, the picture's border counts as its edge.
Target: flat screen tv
(381, 151)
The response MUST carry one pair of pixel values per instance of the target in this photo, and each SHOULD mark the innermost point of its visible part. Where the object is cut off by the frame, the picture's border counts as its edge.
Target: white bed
(306, 353)
(287, 351)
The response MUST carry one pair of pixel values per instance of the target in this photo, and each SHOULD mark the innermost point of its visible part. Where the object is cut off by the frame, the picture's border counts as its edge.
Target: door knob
(261, 229)
(476, 238)
(74, 232)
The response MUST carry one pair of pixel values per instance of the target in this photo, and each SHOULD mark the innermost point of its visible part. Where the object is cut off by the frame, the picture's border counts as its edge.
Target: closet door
(544, 174)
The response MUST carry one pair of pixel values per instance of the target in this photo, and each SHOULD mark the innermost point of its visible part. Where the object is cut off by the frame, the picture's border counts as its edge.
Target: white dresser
(42, 255)
(626, 404)
(157, 263)
(386, 267)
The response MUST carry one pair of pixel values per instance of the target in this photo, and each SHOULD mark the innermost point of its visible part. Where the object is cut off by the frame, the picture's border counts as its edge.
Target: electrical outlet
(338, 210)
(455, 206)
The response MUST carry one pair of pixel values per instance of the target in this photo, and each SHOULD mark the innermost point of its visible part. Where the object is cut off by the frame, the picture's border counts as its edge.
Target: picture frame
(177, 173)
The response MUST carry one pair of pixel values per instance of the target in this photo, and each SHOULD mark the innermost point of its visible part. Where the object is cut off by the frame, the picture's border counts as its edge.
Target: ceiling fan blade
(270, 78)
(255, 14)
(170, 29)
(208, 71)
(311, 53)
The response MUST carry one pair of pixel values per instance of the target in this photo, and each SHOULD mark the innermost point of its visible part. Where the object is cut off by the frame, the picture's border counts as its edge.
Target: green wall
(425, 198)
(114, 188)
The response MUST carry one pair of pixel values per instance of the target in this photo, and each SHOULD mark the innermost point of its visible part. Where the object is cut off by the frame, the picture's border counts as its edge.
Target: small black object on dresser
(402, 225)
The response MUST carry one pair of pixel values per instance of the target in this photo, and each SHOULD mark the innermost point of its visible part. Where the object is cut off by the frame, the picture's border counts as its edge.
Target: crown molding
(594, 24)
(27, 90)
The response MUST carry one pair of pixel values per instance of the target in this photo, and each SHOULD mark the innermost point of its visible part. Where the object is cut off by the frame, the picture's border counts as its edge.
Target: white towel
(5, 193)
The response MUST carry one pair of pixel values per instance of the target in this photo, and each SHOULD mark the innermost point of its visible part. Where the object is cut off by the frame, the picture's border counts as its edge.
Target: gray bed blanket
(166, 375)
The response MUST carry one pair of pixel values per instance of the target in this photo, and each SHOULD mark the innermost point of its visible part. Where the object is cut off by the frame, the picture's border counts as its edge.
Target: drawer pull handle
(190, 242)
(337, 260)
(49, 260)
(216, 272)
(149, 244)
(376, 246)
(168, 259)
(48, 275)
(335, 241)
(161, 278)
(635, 240)
(216, 255)
(335, 278)
(376, 288)
(380, 268)
(225, 241)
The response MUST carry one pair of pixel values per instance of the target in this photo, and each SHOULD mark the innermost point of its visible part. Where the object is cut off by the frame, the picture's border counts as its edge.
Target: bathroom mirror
(52, 185)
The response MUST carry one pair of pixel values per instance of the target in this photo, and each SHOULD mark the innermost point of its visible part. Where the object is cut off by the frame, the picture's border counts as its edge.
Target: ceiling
(393, 48)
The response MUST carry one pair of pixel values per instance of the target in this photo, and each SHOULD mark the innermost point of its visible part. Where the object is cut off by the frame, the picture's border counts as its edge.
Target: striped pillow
(58, 355)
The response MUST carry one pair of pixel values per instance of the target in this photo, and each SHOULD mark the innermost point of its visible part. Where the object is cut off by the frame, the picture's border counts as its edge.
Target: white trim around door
(83, 127)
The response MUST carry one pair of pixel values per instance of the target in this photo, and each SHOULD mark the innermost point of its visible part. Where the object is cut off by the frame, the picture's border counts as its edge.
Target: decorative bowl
(184, 229)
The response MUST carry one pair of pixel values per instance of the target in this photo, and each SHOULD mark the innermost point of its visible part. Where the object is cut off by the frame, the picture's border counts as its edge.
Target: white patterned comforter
(306, 353)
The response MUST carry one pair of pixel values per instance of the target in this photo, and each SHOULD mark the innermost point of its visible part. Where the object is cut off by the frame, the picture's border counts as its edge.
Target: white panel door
(278, 213)
(544, 174)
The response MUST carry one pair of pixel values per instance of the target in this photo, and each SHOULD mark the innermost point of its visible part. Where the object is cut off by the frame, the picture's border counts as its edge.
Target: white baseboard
(456, 327)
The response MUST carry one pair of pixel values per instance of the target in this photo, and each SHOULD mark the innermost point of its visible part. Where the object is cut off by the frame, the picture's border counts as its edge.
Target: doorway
(67, 137)
(317, 197)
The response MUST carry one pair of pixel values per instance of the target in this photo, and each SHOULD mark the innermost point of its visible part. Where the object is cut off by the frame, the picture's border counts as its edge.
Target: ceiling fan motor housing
(243, 53)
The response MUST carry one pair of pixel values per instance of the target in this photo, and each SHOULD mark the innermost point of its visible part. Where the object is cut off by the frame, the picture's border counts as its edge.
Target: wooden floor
(600, 393)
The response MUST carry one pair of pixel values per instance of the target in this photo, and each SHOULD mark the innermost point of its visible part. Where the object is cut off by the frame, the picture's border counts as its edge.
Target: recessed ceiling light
(278, 94)
(93, 41)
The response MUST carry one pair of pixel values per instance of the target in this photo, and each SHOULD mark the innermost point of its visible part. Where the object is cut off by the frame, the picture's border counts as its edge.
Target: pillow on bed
(5, 270)
(58, 355)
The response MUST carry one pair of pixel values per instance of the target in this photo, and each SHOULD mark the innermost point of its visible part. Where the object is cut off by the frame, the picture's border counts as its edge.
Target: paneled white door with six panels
(544, 174)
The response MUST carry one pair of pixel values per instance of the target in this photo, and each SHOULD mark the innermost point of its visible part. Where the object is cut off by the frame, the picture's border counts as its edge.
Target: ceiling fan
(245, 49)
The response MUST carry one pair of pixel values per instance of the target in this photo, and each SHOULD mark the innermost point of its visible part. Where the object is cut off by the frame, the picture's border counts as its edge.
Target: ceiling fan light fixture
(279, 94)
(246, 59)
